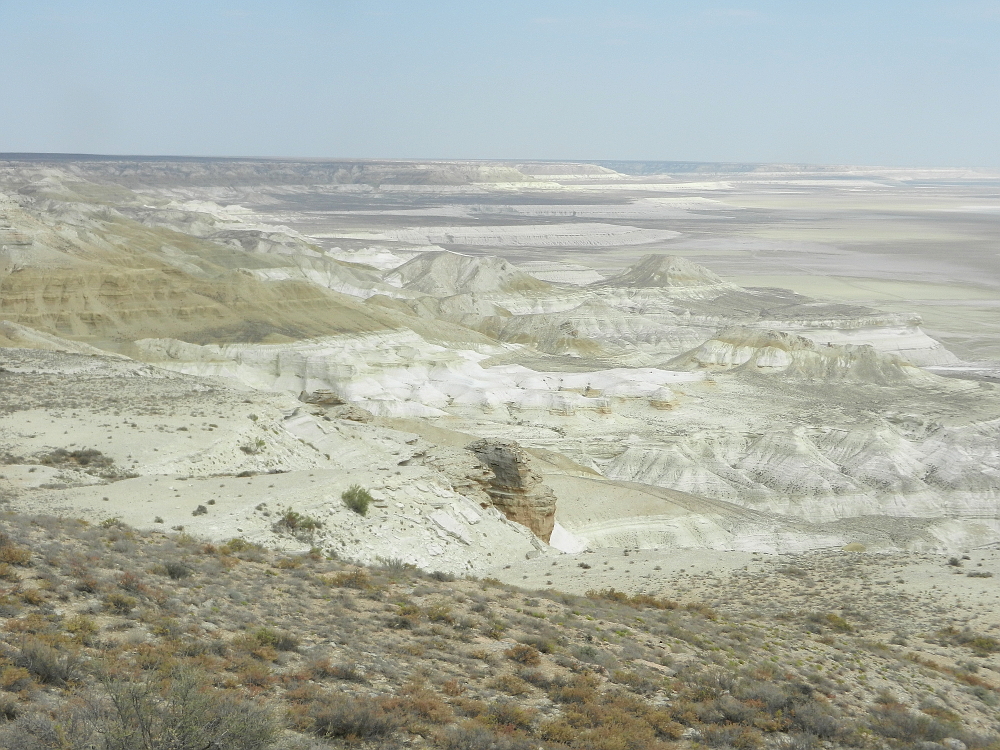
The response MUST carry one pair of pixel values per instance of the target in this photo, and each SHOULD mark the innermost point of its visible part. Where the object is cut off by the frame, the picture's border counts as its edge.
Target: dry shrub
(440, 613)
(182, 712)
(129, 581)
(33, 597)
(636, 600)
(82, 628)
(452, 687)
(524, 654)
(731, 736)
(418, 704)
(14, 555)
(342, 716)
(478, 737)
(407, 616)
(49, 665)
(354, 579)
(348, 671)
(120, 604)
(512, 685)
(15, 679)
(510, 715)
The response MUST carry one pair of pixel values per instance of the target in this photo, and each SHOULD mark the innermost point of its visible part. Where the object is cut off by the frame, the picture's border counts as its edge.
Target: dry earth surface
(759, 400)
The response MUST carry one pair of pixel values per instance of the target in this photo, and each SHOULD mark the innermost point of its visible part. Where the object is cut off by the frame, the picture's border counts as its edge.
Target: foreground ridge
(109, 632)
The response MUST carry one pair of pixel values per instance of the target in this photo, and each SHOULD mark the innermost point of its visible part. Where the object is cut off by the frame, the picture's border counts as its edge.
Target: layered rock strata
(515, 489)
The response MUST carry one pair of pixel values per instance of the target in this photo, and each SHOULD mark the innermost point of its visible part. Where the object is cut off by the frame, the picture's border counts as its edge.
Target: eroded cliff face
(515, 489)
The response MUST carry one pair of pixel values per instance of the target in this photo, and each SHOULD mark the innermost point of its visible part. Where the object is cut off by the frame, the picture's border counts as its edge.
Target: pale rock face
(773, 414)
(754, 350)
(399, 374)
(515, 488)
(445, 274)
(666, 271)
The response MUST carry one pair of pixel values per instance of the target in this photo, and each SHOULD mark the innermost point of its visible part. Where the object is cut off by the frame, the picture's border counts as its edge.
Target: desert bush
(341, 716)
(8, 708)
(635, 682)
(129, 581)
(505, 713)
(440, 612)
(477, 737)
(177, 570)
(637, 600)
(353, 579)
(535, 677)
(15, 679)
(731, 736)
(277, 639)
(347, 671)
(546, 645)
(981, 645)
(357, 498)
(11, 554)
(494, 629)
(236, 544)
(48, 665)
(524, 654)
(82, 627)
(296, 523)
(407, 616)
(395, 566)
(899, 723)
(512, 685)
(120, 604)
(821, 721)
(184, 712)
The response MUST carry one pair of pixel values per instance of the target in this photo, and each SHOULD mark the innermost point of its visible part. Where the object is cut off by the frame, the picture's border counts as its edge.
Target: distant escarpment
(744, 349)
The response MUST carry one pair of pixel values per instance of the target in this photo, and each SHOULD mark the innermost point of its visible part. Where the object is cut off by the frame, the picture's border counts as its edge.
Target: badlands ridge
(516, 363)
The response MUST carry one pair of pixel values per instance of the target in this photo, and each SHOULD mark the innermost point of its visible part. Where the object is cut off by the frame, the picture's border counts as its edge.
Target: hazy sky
(906, 82)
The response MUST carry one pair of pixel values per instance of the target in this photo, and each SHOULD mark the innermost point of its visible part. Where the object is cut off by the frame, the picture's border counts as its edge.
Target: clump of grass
(357, 498)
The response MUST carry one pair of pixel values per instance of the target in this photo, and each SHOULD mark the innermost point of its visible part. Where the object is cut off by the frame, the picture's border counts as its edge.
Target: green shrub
(357, 498)
(277, 639)
(295, 522)
(120, 603)
(176, 570)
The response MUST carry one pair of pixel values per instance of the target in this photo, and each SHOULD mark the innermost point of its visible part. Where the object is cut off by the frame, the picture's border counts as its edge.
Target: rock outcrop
(515, 489)
(664, 271)
(744, 349)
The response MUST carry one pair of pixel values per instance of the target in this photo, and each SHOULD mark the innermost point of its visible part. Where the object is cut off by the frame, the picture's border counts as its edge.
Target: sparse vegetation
(231, 645)
(296, 523)
(357, 498)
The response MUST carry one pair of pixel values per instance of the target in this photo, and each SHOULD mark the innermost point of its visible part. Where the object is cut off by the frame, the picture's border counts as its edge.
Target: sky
(901, 83)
